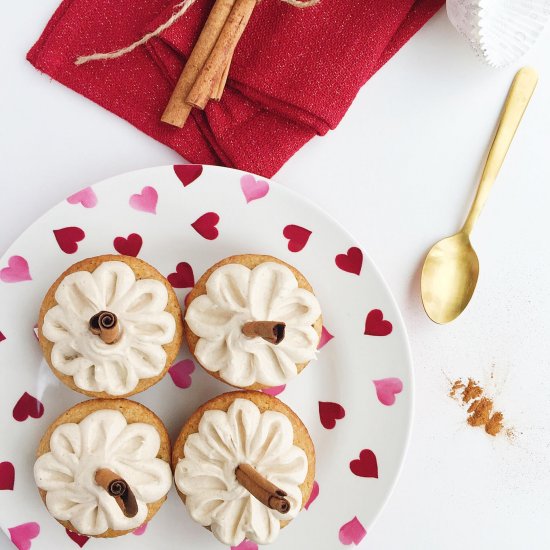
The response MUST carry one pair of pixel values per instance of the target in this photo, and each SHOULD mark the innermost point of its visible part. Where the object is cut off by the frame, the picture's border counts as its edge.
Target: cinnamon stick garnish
(178, 109)
(220, 85)
(105, 325)
(265, 491)
(119, 490)
(272, 331)
(212, 73)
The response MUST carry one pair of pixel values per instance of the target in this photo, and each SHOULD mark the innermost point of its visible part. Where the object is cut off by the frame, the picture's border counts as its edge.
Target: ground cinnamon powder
(480, 407)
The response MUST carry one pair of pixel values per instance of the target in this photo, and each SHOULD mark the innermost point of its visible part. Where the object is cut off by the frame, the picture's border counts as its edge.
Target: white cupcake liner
(500, 31)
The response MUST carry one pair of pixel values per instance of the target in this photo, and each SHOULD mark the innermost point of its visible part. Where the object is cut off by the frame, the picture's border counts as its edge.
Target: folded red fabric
(294, 74)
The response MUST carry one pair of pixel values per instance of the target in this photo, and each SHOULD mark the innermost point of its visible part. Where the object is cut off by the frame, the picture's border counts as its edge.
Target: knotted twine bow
(180, 10)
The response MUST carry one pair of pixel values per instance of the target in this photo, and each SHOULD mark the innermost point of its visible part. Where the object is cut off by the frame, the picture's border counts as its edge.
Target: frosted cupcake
(253, 321)
(103, 467)
(110, 326)
(244, 465)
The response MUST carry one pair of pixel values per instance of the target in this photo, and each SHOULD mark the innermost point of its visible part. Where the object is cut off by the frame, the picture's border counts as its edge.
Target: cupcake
(103, 467)
(110, 326)
(244, 465)
(253, 321)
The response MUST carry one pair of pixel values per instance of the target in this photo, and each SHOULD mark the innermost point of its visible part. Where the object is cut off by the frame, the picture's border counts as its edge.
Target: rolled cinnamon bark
(206, 84)
(178, 109)
(118, 489)
(105, 325)
(272, 331)
(265, 491)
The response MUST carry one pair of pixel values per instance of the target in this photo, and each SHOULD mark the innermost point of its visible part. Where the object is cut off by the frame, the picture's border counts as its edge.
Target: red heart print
(376, 325)
(297, 237)
(246, 545)
(86, 197)
(7, 476)
(366, 465)
(329, 413)
(326, 337)
(2, 337)
(187, 173)
(81, 540)
(22, 535)
(27, 406)
(68, 238)
(205, 226)
(129, 246)
(183, 277)
(352, 261)
(17, 270)
(352, 532)
(180, 373)
(146, 201)
(313, 496)
(274, 390)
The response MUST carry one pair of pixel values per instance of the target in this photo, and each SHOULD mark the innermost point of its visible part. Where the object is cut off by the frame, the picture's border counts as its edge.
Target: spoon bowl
(449, 278)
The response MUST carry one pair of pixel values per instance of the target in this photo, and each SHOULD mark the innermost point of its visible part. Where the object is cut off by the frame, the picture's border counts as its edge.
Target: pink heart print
(387, 388)
(326, 337)
(246, 545)
(16, 272)
(313, 496)
(183, 277)
(86, 197)
(7, 476)
(253, 189)
(26, 406)
(22, 535)
(366, 465)
(329, 413)
(187, 173)
(205, 226)
(68, 238)
(129, 246)
(352, 532)
(297, 237)
(352, 261)
(275, 390)
(81, 540)
(180, 373)
(2, 337)
(143, 527)
(376, 325)
(146, 201)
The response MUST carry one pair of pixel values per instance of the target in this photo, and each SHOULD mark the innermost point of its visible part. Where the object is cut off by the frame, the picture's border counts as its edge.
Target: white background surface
(399, 173)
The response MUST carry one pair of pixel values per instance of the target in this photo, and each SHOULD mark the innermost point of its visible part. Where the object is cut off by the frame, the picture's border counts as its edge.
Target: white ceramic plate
(198, 215)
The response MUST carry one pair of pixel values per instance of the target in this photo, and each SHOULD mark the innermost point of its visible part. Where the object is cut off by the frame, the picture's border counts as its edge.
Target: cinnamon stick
(105, 325)
(272, 331)
(206, 84)
(119, 490)
(265, 491)
(178, 110)
(220, 85)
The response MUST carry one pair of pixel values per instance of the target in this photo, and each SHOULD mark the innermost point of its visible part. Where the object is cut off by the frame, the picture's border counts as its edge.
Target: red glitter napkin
(294, 74)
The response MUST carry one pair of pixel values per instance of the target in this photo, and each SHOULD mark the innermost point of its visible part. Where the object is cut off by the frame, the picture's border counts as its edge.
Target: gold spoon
(451, 268)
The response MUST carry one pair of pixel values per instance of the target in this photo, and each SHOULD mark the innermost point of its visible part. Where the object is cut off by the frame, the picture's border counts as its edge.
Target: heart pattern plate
(355, 399)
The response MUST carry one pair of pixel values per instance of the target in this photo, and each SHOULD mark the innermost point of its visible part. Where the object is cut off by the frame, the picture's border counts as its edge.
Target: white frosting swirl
(206, 474)
(101, 440)
(145, 326)
(235, 295)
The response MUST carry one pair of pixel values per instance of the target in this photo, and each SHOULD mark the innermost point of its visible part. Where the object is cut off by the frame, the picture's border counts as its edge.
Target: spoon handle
(520, 93)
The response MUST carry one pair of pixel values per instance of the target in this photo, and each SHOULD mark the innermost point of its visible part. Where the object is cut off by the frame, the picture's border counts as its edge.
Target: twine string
(179, 10)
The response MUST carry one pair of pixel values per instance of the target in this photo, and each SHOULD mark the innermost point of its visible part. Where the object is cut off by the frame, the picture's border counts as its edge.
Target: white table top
(399, 173)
